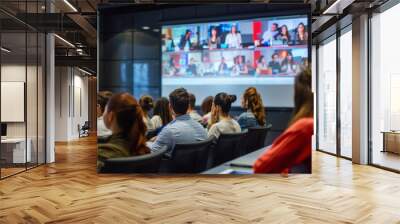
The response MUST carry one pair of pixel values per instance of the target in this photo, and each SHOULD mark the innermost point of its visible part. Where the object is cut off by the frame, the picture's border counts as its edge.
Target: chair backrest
(256, 138)
(228, 147)
(149, 163)
(190, 158)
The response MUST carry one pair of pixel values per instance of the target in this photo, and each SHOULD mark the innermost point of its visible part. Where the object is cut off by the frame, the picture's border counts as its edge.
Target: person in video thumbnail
(233, 39)
(223, 67)
(192, 68)
(274, 65)
(262, 66)
(168, 41)
(240, 68)
(185, 43)
(284, 35)
(289, 66)
(214, 41)
(173, 67)
(206, 67)
(270, 35)
(301, 36)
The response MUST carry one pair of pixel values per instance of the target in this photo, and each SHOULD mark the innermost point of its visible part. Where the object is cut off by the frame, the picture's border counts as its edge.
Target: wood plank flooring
(70, 191)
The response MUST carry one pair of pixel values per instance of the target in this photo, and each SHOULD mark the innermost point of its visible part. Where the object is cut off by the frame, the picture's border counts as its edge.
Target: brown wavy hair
(254, 102)
(129, 116)
(303, 96)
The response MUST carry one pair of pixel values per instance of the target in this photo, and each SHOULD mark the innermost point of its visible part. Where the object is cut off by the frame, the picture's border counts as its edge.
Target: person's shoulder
(303, 124)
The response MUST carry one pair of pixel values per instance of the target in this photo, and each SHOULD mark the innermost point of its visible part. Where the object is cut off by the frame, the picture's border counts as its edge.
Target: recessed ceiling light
(64, 40)
(5, 50)
(70, 5)
(156, 30)
(145, 27)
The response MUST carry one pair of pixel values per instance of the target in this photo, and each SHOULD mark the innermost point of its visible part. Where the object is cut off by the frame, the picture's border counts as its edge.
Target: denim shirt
(182, 130)
(247, 120)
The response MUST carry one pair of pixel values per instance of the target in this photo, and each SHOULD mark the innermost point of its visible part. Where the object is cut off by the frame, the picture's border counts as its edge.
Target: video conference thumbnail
(258, 47)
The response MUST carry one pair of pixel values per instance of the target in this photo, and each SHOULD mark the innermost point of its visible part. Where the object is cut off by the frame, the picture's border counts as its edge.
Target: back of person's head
(224, 101)
(161, 108)
(179, 100)
(303, 96)
(192, 100)
(207, 104)
(128, 116)
(102, 100)
(253, 101)
(146, 102)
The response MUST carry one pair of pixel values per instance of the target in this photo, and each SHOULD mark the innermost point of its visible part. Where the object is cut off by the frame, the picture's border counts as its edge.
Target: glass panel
(13, 86)
(31, 97)
(346, 94)
(41, 99)
(385, 84)
(327, 96)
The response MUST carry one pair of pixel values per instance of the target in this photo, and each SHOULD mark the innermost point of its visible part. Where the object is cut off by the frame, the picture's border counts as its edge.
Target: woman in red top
(293, 147)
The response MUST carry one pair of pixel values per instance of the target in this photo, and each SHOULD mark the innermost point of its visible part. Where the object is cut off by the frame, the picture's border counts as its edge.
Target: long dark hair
(129, 116)
(255, 104)
(162, 109)
(207, 104)
(224, 101)
(303, 96)
(287, 32)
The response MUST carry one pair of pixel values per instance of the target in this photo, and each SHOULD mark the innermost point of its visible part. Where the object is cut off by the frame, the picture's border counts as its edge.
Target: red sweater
(291, 148)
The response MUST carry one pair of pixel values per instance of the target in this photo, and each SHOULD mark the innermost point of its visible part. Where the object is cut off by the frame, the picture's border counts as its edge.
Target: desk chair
(149, 163)
(256, 138)
(189, 158)
(228, 147)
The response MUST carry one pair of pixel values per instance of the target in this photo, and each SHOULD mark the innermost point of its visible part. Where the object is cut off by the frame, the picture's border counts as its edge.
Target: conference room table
(240, 165)
(244, 165)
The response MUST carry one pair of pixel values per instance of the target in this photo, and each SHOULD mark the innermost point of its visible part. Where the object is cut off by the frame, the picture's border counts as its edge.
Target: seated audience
(146, 102)
(183, 129)
(293, 147)
(206, 109)
(255, 114)
(221, 121)
(124, 117)
(191, 111)
(162, 113)
(102, 99)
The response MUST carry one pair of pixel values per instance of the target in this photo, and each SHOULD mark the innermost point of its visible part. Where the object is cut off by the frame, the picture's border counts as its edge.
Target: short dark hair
(192, 100)
(179, 100)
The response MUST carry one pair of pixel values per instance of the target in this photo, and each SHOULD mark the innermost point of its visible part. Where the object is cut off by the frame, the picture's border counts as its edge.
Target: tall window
(385, 89)
(346, 93)
(327, 96)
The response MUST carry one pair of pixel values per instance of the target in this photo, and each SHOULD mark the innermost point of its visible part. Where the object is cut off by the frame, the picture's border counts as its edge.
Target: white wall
(71, 102)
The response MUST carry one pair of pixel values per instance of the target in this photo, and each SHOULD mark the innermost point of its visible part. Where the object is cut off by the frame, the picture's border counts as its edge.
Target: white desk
(17, 147)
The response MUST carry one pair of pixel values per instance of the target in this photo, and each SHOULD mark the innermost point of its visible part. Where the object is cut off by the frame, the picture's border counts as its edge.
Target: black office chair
(256, 138)
(84, 129)
(189, 158)
(228, 147)
(149, 163)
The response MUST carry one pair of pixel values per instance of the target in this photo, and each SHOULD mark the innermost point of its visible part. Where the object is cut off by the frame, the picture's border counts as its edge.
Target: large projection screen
(230, 56)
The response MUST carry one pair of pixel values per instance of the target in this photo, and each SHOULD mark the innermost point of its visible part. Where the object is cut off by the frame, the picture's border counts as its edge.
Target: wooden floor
(70, 191)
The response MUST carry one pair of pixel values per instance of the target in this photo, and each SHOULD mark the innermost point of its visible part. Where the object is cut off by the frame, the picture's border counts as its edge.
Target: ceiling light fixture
(338, 6)
(145, 27)
(156, 30)
(5, 50)
(65, 41)
(70, 5)
(84, 71)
